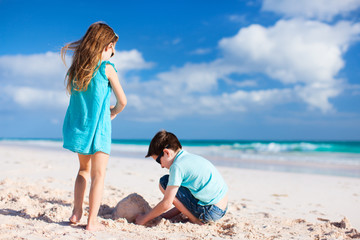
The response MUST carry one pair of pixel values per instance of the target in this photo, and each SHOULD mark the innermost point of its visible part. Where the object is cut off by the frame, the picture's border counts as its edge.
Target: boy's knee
(162, 189)
(163, 181)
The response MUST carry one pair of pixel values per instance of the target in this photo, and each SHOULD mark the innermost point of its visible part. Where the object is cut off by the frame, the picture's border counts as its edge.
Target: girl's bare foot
(95, 226)
(75, 217)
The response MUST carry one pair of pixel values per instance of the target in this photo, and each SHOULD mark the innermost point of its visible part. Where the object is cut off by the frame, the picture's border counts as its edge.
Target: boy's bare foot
(96, 226)
(75, 217)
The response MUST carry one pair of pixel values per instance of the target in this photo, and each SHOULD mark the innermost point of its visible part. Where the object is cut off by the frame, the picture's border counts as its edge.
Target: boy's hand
(140, 219)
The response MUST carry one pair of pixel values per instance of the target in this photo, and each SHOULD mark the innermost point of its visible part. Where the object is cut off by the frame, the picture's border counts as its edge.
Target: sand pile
(130, 207)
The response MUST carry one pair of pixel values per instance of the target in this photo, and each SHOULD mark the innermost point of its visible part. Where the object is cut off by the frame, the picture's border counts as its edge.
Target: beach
(36, 195)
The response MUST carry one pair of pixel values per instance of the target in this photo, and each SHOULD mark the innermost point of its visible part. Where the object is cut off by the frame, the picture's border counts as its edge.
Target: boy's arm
(161, 207)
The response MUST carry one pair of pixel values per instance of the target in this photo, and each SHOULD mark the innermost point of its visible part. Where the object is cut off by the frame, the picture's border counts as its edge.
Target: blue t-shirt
(198, 175)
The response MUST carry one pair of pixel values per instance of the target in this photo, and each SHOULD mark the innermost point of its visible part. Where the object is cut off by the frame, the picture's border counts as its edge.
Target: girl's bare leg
(80, 187)
(180, 207)
(98, 168)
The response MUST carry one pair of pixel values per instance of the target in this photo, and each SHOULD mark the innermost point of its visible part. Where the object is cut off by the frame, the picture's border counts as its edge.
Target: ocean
(340, 158)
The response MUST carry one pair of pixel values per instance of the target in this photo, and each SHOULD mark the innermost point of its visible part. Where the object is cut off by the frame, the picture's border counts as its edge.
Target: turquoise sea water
(319, 157)
(266, 146)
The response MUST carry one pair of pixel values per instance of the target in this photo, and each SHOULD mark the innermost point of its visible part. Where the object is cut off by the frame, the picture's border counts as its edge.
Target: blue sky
(271, 69)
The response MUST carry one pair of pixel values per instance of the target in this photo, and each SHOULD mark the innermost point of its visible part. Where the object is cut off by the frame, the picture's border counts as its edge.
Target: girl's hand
(112, 115)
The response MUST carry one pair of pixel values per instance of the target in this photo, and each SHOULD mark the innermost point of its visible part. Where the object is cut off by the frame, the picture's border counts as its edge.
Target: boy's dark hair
(161, 140)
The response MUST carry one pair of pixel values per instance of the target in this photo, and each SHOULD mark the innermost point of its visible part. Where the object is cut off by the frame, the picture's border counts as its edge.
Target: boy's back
(199, 176)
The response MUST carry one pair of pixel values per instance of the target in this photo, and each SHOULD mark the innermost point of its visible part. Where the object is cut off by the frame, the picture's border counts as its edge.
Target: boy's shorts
(205, 213)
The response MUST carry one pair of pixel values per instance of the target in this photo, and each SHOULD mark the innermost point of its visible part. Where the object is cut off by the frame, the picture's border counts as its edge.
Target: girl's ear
(109, 46)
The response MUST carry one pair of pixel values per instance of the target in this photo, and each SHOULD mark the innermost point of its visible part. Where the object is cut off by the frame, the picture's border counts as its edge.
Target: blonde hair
(87, 54)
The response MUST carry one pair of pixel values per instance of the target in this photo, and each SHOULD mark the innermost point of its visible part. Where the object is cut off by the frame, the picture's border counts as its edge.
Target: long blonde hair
(87, 54)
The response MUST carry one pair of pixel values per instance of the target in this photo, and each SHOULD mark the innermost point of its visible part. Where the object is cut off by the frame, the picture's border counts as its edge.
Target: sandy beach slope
(36, 192)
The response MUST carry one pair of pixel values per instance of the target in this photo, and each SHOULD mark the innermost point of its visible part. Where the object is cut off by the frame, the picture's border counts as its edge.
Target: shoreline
(37, 187)
(273, 163)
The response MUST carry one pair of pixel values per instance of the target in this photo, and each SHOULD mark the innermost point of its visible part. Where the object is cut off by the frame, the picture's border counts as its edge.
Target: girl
(87, 124)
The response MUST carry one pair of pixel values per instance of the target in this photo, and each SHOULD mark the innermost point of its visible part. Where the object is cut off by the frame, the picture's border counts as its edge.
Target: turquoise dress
(87, 123)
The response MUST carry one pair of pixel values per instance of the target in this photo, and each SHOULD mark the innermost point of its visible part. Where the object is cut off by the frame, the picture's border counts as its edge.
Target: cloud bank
(323, 10)
(36, 81)
(301, 57)
(306, 55)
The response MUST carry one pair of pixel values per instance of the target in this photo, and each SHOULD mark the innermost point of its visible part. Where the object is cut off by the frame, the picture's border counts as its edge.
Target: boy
(193, 185)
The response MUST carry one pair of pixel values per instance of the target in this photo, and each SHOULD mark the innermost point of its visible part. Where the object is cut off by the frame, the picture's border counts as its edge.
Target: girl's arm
(121, 100)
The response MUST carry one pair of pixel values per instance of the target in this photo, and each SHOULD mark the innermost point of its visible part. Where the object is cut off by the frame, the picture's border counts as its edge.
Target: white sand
(36, 192)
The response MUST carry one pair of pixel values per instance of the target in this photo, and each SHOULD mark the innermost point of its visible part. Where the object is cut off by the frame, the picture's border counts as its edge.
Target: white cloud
(237, 18)
(243, 101)
(32, 98)
(176, 41)
(294, 52)
(317, 96)
(258, 98)
(240, 84)
(311, 9)
(34, 65)
(130, 60)
(190, 78)
(50, 64)
(185, 104)
(304, 56)
(192, 90)
(201, 51)
(37, 80)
